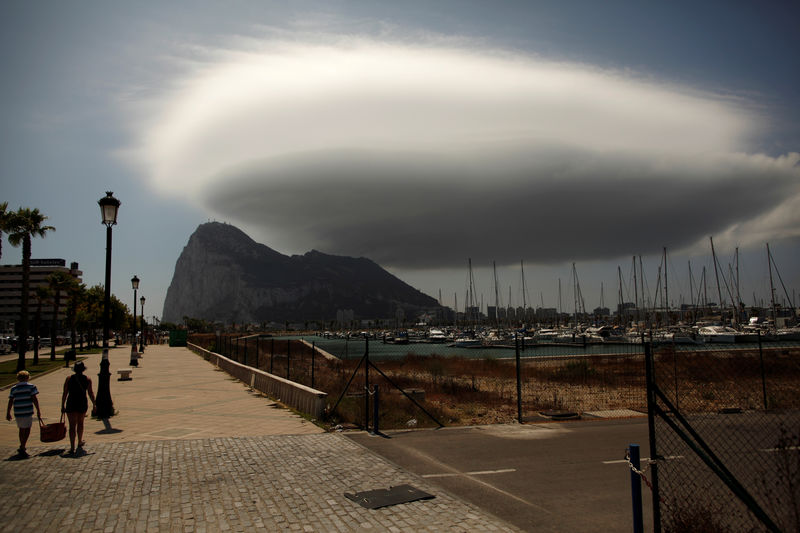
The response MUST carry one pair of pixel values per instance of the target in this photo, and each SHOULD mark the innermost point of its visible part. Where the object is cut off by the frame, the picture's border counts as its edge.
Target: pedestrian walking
(23, 397)
(73, 402)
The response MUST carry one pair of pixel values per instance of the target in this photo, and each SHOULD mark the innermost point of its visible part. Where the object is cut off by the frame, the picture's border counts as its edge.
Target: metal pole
(134, 360)
(366, 383)
(104, 404)
(651, 406)
(288, 356)
(313, 351)
(271, 354)
(519, 379)
(245, 351)
(375, 406)
(636, 488)
(763, 374)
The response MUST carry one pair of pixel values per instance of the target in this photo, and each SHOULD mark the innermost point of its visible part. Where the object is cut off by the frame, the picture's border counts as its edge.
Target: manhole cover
(375, 499)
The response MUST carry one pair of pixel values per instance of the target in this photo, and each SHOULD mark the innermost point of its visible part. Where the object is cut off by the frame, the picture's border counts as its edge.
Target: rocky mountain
(224, 275)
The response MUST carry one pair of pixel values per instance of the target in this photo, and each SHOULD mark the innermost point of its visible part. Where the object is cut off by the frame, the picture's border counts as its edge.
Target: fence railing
(296, 395)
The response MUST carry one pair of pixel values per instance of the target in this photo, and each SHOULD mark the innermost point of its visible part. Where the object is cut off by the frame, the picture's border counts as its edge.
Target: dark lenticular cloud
(418, 157)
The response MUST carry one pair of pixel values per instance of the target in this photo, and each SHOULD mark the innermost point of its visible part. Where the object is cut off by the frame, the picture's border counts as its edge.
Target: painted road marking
(476, 473)
(643, 459)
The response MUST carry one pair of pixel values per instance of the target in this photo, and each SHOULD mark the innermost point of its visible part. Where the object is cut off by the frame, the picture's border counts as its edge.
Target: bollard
(375, 406)
(636, 488)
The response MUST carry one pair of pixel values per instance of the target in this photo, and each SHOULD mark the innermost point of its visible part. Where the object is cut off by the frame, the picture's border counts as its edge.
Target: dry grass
(464, 391)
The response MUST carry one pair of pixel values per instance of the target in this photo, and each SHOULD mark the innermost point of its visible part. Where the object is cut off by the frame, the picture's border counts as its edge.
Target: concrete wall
(304, 399)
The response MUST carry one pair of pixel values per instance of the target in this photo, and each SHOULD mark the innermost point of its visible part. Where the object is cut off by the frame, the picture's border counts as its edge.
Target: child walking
(23, 397)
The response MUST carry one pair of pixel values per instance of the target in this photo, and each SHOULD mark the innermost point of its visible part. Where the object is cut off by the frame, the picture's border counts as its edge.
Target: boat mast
(666, 293)
(471, 294)
(524, 290)
(691, 294)
(623, 320)
(455, 319)
(641, 281)
(558, 315)
(705, 292)
(602, 302)
(636, 293)
(716, 274)
(738, 294)
(771, 289)
(496, 297)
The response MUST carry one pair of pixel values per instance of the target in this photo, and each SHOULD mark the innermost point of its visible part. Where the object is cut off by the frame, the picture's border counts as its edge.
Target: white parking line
(771, 450)
(476, 473)
(643, 459)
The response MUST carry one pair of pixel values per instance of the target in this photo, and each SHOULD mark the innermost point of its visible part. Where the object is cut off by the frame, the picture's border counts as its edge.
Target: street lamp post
(144, 326)
(134, 356)
(109, 206)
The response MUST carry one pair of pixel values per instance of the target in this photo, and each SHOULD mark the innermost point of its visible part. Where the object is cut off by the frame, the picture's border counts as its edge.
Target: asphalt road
(567, 476)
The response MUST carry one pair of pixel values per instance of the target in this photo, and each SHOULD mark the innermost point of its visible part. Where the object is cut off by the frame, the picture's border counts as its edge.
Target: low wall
(304, 399)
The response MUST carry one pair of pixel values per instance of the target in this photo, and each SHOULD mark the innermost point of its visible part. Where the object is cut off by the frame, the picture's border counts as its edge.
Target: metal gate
(725, 438)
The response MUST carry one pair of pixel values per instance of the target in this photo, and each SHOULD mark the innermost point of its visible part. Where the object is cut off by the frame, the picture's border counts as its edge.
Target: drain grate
(375, 499)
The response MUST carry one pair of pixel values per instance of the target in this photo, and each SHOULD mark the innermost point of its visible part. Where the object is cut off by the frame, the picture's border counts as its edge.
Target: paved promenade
(193, 450)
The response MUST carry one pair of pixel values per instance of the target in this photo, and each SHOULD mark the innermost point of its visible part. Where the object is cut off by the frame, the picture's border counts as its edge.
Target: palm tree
(59, 282)
(25, 224)
(42, 296)
(5, 217)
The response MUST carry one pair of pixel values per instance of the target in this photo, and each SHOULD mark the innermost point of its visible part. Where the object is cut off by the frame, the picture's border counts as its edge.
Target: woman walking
(73, 402)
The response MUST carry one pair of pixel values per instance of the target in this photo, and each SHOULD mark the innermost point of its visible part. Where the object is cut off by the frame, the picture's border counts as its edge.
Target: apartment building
(11, 292)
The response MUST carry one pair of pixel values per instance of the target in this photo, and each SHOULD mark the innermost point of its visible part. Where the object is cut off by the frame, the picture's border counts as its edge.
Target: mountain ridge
(224, 275)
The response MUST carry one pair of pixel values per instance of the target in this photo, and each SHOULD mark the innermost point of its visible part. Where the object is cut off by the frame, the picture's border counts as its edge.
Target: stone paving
(193, 450)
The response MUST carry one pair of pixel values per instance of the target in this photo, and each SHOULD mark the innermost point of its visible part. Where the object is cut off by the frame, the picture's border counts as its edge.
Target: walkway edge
(304, 399)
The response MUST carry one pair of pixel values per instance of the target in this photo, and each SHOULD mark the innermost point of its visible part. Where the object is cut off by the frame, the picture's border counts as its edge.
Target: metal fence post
(636, 488)
(245, 351)
(313, 351)
(375, 407)
(366, 383)
(271, 354)
(288, 356)
(763, 374)
(519, 378)
(651, 405)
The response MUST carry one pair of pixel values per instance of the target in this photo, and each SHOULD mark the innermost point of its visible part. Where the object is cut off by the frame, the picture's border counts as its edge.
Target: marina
(354, 347)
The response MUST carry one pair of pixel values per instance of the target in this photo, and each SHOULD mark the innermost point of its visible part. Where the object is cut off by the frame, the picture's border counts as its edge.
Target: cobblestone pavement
(146, 478)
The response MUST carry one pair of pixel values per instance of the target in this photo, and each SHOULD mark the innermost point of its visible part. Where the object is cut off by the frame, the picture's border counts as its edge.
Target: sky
(533, 136)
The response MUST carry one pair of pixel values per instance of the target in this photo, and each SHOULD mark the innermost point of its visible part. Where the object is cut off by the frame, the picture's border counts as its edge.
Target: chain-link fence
(452, 384)
(727, 437)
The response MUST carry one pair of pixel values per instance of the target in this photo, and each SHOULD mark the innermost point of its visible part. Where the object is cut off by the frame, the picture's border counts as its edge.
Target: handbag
(52, 432)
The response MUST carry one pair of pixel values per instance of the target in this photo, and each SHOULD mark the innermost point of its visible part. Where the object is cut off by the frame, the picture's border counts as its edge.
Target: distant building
(544, 314)
(11, 293)
(601, 311)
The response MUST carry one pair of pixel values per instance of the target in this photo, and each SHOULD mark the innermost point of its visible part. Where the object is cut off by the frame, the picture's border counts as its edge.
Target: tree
(59, 282)
(42, 296)
(5, 219)
(25, 224)
(76, 294)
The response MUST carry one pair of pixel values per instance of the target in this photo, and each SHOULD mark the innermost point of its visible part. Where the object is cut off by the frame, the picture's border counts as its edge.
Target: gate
(725, 436)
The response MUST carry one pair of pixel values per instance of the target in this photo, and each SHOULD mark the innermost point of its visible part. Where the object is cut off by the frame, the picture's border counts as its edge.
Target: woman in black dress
(73, 402)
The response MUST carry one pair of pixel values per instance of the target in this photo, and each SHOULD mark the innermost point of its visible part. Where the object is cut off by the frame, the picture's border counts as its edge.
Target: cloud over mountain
(417, 155)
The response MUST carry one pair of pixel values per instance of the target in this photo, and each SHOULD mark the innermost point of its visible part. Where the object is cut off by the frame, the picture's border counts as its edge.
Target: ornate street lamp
(109, 207)
(134, 358)
(144, 328)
